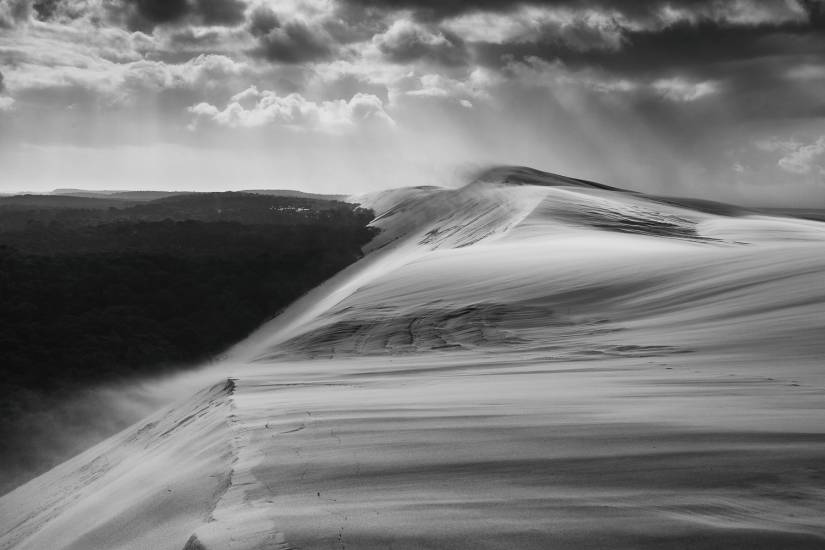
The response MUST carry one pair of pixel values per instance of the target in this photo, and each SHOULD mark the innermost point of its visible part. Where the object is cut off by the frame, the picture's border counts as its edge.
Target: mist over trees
(106, 293)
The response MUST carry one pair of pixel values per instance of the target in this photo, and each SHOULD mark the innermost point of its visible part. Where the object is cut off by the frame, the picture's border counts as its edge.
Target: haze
(722, 100)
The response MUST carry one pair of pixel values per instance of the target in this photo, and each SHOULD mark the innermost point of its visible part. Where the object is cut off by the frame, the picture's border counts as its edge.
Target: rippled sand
(542, 365)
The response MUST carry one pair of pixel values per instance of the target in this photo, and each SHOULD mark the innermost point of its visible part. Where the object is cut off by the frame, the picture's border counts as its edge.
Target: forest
(94, 292)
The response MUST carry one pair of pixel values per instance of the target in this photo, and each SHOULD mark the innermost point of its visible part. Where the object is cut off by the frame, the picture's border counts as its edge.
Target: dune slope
(529, 361)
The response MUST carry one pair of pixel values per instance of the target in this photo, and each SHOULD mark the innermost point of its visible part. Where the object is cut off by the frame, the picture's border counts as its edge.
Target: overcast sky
(716, 98)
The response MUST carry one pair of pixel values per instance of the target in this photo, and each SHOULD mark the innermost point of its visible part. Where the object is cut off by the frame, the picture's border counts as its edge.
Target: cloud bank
(674, 96)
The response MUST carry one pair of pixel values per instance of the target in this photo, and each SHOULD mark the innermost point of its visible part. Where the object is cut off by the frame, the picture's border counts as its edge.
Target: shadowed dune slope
(529, 361)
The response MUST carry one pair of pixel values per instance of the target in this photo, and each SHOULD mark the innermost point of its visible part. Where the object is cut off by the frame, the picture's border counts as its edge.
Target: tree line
(90, 296)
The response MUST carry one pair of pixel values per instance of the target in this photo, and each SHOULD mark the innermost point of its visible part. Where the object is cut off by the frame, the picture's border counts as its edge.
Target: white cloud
(735, 12)
(436, 85)
(557, 76)
(406, 41)
(404, 31)
(806, 71)
(679, 89)
(201, 71)
(6, 103)
(252, 108)
(194, 40)
(119, 82)
(585, 29)
(774, 144)
(579, 29)
(805, 159)
(45, 56)
(538, 72)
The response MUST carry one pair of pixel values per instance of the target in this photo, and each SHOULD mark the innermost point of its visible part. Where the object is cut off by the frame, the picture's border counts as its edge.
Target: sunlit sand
(526, 362)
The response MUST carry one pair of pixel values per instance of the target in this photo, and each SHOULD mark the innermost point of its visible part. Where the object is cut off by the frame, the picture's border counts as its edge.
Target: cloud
(649, 11)
(6, 102)
(221, 12)
(578, 29)
(658, 90)
(434, 86)
(774, 144)
(630, 47)
(804, 159)
(806, 72)
(14, 12)
(538, 72)
(145, 15)
(253, 108)
(45, 9)
(815, 9)
(178, 43)
(295, 41)
(201, 72)
(406, 41)
(78, 76)
(344, 84)
(263, 20)
(692, 50)
(678, 89)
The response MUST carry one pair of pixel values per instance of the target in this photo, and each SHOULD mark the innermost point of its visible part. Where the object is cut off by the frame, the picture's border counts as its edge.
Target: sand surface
(515, 364)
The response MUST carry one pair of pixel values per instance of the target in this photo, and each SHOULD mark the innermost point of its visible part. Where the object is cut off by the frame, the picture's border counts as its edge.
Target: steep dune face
(526, 265)
(148, 487)
(530, 361)
(413, 223)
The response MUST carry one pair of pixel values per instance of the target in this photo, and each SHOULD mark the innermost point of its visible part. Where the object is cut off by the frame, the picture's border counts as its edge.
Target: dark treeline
(41, 211)
(90, 296)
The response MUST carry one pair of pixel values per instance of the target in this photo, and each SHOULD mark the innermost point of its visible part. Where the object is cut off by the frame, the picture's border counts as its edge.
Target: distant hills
(60, 201)
(103, 200)
(122, 195)
(59, 212)
(141, 196)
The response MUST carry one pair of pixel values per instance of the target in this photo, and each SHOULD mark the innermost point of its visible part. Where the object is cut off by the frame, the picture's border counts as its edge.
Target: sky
(722, 99)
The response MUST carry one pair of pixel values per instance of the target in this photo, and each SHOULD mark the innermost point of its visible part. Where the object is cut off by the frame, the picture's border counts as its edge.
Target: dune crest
(528, 361)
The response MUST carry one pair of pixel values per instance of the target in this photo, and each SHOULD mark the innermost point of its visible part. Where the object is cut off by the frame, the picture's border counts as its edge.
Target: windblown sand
(532, 366)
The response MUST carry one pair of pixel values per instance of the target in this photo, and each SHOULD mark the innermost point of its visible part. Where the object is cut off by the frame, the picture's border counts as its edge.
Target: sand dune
(529, 361)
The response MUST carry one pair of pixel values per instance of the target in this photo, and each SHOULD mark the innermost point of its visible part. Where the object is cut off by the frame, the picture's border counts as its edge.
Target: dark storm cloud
(2, 84)
(294, 42)
(290, 42)
(635, 37)
(703, 47)
(747, 61)
(146, 14)
(442, 9)
(262, 21)
(45, 9)
(160, 11)
(816, 12)
(63, 11)
(187, 40)
(406, 43)
(221, 12)
(183, 44)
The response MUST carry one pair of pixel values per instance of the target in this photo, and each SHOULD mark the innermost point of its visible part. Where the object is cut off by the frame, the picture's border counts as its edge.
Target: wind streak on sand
(529, 361)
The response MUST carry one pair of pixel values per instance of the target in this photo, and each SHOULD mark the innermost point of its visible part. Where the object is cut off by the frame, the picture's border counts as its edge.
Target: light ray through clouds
(355, 95)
